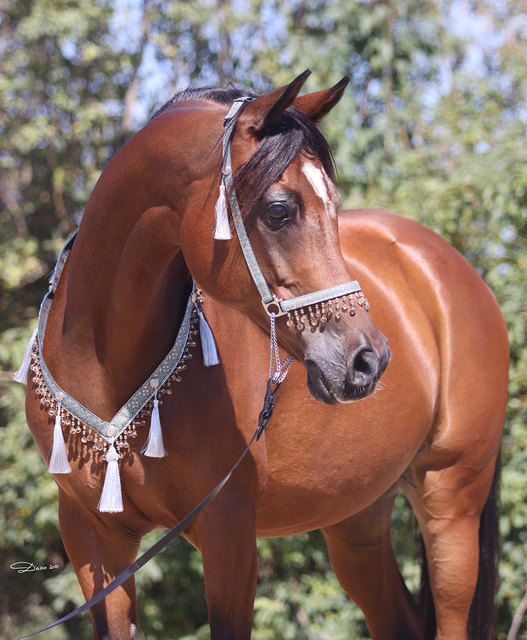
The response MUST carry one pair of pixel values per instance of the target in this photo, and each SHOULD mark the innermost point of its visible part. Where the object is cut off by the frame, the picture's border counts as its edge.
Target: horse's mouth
(318, 386)
(329, 390)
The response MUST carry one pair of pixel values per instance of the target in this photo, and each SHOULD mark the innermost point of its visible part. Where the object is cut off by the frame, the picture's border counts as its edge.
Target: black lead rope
(263, 421)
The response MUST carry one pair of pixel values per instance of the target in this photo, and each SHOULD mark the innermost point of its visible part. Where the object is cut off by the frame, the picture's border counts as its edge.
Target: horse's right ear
(316, 105)
(262, 113)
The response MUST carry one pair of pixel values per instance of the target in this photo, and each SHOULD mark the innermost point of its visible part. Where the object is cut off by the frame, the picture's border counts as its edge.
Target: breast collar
(171, 366)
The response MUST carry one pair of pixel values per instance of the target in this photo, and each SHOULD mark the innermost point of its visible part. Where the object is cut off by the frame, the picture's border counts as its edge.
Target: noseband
(311, 309)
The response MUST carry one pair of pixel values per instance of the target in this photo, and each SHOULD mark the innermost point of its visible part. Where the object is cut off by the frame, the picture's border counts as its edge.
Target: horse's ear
(263, 112)
(316, 105)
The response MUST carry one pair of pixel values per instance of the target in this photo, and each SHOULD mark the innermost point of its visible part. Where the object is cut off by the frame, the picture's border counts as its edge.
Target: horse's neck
(127, 282)
(122, 305)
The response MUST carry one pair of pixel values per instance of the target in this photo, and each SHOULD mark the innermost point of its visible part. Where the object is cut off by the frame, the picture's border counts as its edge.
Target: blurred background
(432, 126)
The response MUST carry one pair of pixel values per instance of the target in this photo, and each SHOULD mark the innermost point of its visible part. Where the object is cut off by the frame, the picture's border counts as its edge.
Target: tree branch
(517, 619)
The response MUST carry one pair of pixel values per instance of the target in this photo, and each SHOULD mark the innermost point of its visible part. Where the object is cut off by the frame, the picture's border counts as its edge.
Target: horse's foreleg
(448, 503)
(226, 536)
(362, 557)
(98, 554)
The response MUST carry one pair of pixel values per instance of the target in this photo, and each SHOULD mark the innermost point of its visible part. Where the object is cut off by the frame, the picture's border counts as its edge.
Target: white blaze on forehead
(322, 186)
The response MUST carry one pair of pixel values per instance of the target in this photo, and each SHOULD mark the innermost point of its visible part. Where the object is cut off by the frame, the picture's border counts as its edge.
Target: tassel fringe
(154, 447)
(222, 230)
(22, 374)
(111, 497)
(58, 462)
(208, 344)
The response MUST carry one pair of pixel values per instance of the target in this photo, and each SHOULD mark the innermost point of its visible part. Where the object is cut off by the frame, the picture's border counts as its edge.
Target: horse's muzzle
(333, 381)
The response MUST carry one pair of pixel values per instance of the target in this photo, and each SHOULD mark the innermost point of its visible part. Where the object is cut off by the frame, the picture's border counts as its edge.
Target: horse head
(283, 180)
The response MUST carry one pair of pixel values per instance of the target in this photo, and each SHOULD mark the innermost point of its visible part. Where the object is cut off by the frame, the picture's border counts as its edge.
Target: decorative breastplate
(111, 438)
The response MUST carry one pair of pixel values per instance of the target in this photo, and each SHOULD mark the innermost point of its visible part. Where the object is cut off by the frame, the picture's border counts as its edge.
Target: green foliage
(298, 596)
(428, 129)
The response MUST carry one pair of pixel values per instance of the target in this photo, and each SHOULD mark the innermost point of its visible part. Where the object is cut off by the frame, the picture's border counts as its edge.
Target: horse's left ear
(316, 105)
(262, 113)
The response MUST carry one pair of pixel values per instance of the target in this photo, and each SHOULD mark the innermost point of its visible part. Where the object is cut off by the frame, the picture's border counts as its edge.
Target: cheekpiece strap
(252, 263)
(271, 304)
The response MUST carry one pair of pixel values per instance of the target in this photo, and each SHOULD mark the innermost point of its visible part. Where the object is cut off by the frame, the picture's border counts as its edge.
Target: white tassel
(222, 230)
(23, 372)
(154, 447)
(111, 498)
(208, 344)
(58, 462)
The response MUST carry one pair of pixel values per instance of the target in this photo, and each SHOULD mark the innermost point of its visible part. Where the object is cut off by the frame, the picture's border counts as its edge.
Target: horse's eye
(277, 213)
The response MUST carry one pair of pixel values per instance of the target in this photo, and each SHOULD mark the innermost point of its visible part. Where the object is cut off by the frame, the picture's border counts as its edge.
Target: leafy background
(432, 126)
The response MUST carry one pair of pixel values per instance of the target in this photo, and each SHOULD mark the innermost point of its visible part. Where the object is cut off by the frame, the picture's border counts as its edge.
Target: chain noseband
(311, 309)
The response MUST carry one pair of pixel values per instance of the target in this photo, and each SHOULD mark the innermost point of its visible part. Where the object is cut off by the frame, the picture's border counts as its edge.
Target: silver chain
(281, 368)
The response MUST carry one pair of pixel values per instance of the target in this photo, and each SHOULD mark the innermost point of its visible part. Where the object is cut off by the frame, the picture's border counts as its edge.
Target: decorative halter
(311, 309)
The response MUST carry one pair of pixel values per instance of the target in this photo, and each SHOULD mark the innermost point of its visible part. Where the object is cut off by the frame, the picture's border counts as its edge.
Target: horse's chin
(329, 392)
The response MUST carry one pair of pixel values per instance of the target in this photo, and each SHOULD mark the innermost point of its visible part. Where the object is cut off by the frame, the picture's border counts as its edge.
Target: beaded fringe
(111, 451)
(319, 314)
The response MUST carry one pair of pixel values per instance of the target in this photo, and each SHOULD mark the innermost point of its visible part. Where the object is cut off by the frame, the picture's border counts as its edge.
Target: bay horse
(431, 429)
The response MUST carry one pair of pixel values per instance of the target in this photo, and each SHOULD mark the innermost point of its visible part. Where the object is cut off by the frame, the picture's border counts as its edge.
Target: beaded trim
(137, 410)
(319, 314)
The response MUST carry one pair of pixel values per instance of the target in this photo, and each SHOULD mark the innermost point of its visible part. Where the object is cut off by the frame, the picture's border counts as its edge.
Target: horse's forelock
(293, 133)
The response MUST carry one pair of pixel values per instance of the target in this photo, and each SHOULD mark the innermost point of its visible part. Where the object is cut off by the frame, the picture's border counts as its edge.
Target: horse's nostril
(363, 367)
(363, 362)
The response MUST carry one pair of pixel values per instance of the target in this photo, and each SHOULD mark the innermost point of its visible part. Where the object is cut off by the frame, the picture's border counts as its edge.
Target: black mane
(223, 95)
(293, 133)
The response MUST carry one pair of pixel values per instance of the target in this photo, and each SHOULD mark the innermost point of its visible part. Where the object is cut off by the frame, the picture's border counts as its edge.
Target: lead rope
(154, 549)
